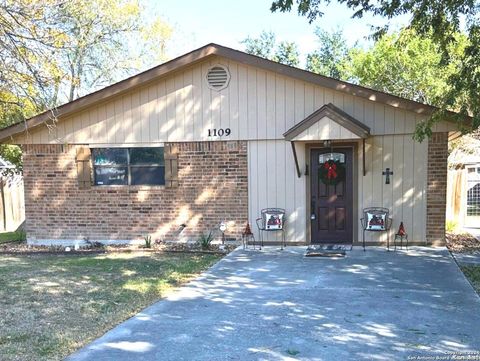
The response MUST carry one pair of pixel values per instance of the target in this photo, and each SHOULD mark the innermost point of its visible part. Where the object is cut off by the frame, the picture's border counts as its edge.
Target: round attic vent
(218, 77)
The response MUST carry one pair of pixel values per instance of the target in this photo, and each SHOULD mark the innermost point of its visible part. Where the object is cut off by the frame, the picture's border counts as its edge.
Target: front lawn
(52, 305)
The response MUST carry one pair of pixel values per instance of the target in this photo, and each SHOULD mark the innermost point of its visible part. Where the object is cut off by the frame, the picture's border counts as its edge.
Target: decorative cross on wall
(387, 173)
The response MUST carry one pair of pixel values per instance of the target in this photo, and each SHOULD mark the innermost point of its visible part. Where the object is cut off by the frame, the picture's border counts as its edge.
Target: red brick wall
(437, 187)
(213, 186)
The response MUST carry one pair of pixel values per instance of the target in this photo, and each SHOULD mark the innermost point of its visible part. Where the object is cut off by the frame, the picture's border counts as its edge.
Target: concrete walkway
(278, 305)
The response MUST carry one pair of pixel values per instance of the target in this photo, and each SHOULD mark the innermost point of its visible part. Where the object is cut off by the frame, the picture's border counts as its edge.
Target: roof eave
(110, 91)
(201, 54)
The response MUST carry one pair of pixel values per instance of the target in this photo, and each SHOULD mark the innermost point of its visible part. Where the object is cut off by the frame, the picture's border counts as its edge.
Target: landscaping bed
(462, 243)
(23, 248)
(51, 305)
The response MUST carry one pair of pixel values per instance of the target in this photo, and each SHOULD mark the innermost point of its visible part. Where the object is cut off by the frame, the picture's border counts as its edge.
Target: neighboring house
(463, 192)
(217, 135)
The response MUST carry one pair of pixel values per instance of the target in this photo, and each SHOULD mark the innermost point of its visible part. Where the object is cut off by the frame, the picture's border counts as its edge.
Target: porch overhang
(327, 123)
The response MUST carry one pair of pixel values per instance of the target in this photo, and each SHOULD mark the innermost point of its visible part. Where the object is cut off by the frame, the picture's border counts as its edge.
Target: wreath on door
(332, 172)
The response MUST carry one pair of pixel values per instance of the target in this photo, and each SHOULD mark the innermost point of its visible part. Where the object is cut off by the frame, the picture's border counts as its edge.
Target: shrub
(93, 244)
(205, 240)
(451, 226)
(148, 241)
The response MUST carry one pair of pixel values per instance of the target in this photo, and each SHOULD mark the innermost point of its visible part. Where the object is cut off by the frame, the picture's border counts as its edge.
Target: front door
(331, 184)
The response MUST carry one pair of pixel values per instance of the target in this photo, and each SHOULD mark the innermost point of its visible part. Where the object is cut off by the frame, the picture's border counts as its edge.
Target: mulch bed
(14, 248)
(462, 243)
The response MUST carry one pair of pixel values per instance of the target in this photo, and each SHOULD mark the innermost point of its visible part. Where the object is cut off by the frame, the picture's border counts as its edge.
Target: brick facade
(437, 187)
(213, 186)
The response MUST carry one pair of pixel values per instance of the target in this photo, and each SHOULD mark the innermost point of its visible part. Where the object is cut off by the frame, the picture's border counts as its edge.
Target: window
(473, 192)
(337, 157)
(128, 166)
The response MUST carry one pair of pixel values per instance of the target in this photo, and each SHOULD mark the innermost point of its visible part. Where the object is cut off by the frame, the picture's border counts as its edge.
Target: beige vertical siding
(256, 105)
(405, 195)
(325, 129)
(273, 182)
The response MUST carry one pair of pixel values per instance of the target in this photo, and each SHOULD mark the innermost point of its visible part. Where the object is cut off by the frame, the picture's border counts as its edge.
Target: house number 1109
(219, 132)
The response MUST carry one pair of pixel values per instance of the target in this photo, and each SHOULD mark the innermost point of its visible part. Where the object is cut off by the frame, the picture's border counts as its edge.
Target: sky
(228, 22)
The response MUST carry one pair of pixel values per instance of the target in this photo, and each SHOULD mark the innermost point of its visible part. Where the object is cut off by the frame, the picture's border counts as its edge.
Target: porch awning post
(363, 159)
(297, 167)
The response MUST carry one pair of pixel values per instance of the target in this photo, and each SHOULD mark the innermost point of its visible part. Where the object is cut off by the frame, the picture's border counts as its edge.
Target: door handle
(313, 216)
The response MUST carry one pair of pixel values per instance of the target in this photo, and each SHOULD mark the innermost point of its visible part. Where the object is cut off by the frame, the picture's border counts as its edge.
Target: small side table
(401, 238)
(246, 237)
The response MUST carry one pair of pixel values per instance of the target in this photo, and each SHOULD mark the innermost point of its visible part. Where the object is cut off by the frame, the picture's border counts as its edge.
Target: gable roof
(332, 112)
(201, 54)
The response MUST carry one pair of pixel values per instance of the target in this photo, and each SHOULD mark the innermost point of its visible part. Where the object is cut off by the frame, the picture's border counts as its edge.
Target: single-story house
(217, 135)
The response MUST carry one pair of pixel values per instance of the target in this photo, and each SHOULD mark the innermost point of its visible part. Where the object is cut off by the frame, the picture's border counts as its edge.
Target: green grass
(473, 275)
(16, 236)
(52, 305)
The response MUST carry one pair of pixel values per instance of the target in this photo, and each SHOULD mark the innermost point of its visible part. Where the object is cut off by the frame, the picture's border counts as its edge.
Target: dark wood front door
(331, 205)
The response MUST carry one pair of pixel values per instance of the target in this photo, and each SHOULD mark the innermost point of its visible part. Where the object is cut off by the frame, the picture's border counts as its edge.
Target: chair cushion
(376, 221)
(273, 221)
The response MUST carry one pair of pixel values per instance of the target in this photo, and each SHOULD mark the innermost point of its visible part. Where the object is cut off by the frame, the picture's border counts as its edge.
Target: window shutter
(83, 168)
(171, 166)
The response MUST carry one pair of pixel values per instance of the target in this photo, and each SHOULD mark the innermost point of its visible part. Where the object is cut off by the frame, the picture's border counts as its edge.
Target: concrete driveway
(278, 305)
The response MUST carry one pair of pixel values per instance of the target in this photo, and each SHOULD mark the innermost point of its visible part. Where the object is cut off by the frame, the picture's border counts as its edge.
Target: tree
(406, 65)
(287, 53)
(331, 55)
(54, 50)
(28, 71)
(28, 41)
(439, 19)
(263, 46)
(98, 51)
(74, 46)
(266, 47)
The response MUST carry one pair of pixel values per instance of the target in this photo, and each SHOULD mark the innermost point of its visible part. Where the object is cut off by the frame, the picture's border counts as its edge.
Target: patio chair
(376, 219)
(272, 220)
